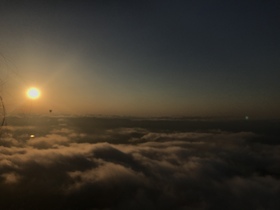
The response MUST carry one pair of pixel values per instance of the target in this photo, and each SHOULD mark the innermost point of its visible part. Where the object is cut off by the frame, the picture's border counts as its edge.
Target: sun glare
(33, 93)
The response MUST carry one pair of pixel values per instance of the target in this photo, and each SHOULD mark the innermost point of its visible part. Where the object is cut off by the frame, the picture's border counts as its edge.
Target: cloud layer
(137, 167)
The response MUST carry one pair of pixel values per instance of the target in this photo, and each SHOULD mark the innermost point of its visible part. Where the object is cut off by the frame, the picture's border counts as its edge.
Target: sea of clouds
(111, 163)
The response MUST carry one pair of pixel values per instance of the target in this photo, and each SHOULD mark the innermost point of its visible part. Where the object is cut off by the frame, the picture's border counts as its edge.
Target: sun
(33, 93)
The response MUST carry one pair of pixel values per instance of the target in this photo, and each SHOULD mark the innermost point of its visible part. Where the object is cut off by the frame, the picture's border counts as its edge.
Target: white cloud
(163, 170)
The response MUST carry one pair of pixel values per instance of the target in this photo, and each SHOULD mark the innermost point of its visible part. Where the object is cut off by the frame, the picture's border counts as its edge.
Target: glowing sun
(33, 93)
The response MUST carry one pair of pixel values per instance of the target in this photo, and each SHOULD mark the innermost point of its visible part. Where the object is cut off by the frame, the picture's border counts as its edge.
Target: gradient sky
(146, 58)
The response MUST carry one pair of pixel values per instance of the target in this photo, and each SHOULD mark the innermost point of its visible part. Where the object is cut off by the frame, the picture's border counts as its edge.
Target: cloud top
(139, 168)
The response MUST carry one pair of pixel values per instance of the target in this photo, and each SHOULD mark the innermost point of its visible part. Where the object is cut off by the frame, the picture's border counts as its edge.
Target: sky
(142, 58)
(144, 104)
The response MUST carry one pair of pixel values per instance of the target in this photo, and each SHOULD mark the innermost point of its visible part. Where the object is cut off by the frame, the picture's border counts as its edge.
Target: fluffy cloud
(52, 140)
(139, 168)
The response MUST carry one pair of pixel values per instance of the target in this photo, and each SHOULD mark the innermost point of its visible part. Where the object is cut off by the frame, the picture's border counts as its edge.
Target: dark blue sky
(147, 57)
